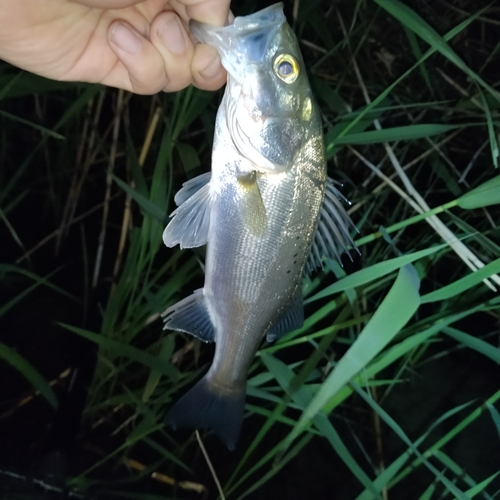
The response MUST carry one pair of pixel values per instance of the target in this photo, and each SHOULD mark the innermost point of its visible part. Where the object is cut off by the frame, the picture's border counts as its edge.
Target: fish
(267, 213)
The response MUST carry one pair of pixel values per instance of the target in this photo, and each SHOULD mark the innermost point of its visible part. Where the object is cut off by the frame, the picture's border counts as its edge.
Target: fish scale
(260, 213)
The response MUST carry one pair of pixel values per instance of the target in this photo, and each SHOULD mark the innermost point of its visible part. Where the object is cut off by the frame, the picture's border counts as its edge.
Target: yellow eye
(287, 68)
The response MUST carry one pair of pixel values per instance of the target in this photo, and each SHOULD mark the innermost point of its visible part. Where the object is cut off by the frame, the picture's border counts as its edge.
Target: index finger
(213, 12)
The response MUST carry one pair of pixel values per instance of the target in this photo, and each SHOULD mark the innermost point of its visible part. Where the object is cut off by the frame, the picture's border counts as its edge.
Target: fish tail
(204, 407)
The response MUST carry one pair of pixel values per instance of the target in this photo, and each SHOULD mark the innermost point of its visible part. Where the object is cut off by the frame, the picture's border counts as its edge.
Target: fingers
(207, 11)
(172, 41)
(107, 4)
(185, 63)
(206, 68)
(142, 68)
(167, 61)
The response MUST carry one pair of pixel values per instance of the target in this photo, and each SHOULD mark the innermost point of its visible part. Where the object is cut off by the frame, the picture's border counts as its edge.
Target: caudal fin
(202, 407)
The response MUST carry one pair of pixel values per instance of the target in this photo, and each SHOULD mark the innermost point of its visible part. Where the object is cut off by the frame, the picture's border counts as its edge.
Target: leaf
(341, 130)
(454, 432)
(429, 492)
(396, 428)
(148, 206)
(412, 39)
(475, 343)
(413, 21)
(463, 284)
(394, 312)
(167, 348)
(484, 195)
(491, 131)
(8, 268)
(43, 130)
(30, 373)
(495, 416)
(27, 84)
(329, 96)
(391, 470)
(188, 155)
(89, 91)
(12, 83)
(302, 396)
(373, 272)
(360, 121)
(410, 132)
(480, 487)
(152, 362)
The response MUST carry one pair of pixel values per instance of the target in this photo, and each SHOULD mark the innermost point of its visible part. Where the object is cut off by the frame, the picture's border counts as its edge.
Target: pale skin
(141, 46)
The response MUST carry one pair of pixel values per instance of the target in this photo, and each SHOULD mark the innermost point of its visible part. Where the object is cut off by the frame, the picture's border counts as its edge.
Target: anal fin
(190, 315)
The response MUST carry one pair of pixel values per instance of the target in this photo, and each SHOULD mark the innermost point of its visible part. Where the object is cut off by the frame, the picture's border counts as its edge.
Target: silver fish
(267, 212)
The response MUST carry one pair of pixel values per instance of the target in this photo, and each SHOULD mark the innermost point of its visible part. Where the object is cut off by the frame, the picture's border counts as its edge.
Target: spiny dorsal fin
(332, 237)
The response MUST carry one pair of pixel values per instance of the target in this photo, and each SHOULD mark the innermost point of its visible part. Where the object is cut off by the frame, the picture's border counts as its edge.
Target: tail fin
(202, 407)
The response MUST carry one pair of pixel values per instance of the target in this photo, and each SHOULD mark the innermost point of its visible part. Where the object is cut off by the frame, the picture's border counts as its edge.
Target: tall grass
(410, 101)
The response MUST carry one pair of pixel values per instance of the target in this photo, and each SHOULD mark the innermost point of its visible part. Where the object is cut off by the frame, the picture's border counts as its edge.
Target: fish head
(268, 102)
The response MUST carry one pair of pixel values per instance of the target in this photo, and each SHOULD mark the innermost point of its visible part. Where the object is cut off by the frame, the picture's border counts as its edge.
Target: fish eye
(286, 68)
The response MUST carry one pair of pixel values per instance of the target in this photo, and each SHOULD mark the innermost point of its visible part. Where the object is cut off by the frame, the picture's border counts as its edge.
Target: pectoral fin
(190, 187)
(190, 315)
(191, 221)
(253, 211)
(332, 237)
(291, 318)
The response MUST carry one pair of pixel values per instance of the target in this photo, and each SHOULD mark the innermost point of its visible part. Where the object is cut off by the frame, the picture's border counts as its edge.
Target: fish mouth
(245, 41)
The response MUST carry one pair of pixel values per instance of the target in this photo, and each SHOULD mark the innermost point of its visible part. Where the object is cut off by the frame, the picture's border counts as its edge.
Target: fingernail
(171, 34)
(212, 69)
(125, 38)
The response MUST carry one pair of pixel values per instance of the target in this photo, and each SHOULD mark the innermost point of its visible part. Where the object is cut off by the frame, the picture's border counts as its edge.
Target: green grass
(410, 102)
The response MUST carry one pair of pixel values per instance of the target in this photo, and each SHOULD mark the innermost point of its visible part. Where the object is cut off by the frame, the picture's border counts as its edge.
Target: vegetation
(389, 390)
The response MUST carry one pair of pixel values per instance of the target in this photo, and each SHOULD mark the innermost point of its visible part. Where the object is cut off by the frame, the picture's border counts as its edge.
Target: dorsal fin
(332, 237)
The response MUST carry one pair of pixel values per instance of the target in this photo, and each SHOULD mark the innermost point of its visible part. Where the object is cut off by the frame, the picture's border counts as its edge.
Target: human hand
(141, 46)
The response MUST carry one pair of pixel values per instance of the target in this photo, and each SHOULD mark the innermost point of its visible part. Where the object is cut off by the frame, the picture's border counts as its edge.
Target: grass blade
(120, 348)
(463, 284)
(374, 272)
(475, 343)
(30, 373)
(495, 416)
(148, 206)
(396, 428)
(484, 195)
(413, 21)
(302, 396)
(410, 132)
(394, 312)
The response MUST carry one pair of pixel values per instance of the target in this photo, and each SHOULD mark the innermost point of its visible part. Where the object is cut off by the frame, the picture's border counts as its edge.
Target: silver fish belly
(268, 213)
